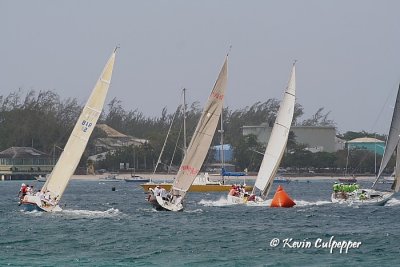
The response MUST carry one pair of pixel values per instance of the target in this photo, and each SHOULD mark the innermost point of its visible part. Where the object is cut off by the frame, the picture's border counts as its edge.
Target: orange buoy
(281, 199)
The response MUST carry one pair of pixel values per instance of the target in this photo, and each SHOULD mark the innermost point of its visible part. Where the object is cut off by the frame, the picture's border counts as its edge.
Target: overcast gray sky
(347, 52)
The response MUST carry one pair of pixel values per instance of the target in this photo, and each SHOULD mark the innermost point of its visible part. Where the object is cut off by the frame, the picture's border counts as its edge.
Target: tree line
(44, 121)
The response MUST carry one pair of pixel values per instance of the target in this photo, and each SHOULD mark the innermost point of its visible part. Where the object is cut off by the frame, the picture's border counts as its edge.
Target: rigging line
(176, 145)
(381, 111)
(165, 141)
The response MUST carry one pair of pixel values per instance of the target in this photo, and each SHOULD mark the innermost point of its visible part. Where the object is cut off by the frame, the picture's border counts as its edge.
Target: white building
(316, 138)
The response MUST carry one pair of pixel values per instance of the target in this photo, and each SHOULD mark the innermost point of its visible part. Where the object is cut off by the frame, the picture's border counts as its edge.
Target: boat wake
(223, 201)
(393, 202)
(303, 203)
(193, 211)
(93, 213)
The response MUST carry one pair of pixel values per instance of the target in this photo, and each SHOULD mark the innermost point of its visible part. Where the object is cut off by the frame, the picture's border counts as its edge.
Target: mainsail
(69, 159)
(393, 138)
(202, 137)
(396, 183)
(278, 139)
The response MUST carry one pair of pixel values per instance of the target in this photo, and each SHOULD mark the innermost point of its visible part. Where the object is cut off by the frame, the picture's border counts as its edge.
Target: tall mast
(222, 148)
(222, 143)
(184, 121)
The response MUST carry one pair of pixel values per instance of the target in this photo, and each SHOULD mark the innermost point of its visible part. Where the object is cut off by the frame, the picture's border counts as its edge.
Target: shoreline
(169, 177)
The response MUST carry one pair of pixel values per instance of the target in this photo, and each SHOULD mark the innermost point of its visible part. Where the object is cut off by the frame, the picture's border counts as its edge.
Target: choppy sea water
(101, 227)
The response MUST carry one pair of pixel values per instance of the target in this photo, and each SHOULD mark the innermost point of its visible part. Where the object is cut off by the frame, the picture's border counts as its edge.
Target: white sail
(202, 137)
(396, 183)
(278, 139)
(73, 150)
(393, 138)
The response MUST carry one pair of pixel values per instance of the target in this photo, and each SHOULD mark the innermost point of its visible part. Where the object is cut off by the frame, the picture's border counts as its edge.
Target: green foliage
(247, 152)
(44, 120)
(319, 119)
(350, 135)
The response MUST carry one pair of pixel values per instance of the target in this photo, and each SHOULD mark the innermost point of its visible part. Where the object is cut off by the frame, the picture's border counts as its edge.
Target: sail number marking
(86, 125)
(189, 169)
(218, 96)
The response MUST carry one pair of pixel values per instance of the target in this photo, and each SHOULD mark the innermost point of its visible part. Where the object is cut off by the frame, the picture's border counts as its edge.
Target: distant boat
(233, 174)
(370, 196)
(274, 151)
(202, 183)
(281, 180)
(197, 149)
(136, 179)
(110, 178)
(350, 180)
(50, 194)
(41, 178)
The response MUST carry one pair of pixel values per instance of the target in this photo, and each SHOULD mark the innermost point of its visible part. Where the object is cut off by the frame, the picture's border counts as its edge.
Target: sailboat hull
(243, 199)
(362, 197)
(196, 187)
(162, 204)
(26, 206)
(34, 203)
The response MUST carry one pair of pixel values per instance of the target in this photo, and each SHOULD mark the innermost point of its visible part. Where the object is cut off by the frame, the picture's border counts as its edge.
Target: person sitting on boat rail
(30, 190)
(336, 187)
(156, 190)
(232, 192)
(242, 189)
(163, 193)
(22, 191)
(252, 197)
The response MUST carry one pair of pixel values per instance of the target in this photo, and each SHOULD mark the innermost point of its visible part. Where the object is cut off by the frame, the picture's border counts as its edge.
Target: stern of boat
(34, 203)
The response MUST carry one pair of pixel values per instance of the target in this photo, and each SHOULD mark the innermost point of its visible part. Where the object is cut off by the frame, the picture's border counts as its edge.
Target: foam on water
(93, 213)
(303, 203)
(393, 202)
(223, 201)
(193, 211)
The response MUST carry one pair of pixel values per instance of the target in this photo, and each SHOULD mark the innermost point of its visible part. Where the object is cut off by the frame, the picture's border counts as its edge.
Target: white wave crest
(393, 202)
(193, 211)
(223, 201)
(93, 213)
(303, 203)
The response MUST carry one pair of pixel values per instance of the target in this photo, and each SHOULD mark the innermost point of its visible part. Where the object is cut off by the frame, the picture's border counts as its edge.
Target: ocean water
(101, 227)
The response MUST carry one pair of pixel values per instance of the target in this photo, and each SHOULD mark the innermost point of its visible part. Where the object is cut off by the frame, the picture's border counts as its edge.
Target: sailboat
(370, 196)
(274, 151)
(202, 182)
(197, 149)
(52, 191)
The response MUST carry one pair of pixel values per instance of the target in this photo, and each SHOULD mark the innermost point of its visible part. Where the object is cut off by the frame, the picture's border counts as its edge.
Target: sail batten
(76, 144)
(278, 138)
(202, 137)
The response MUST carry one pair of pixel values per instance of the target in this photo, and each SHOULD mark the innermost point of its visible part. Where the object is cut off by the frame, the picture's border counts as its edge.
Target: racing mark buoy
(281, 199)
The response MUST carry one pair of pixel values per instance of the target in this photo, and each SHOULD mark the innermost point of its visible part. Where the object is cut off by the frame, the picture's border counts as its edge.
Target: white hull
(364, 197)
(168, 205)
(163, 204)
(242, 199)
(30, 203)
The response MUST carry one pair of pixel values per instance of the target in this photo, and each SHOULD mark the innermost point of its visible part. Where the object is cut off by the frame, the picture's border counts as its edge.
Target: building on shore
(316, 138)
(24, 163)
(367, 143)
(114, 140)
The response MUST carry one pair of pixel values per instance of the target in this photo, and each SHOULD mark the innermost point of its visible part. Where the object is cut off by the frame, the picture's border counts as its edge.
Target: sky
(347, 51)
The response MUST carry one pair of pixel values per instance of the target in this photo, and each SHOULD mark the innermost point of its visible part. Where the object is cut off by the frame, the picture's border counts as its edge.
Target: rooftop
(365, 140)
(22, 152)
